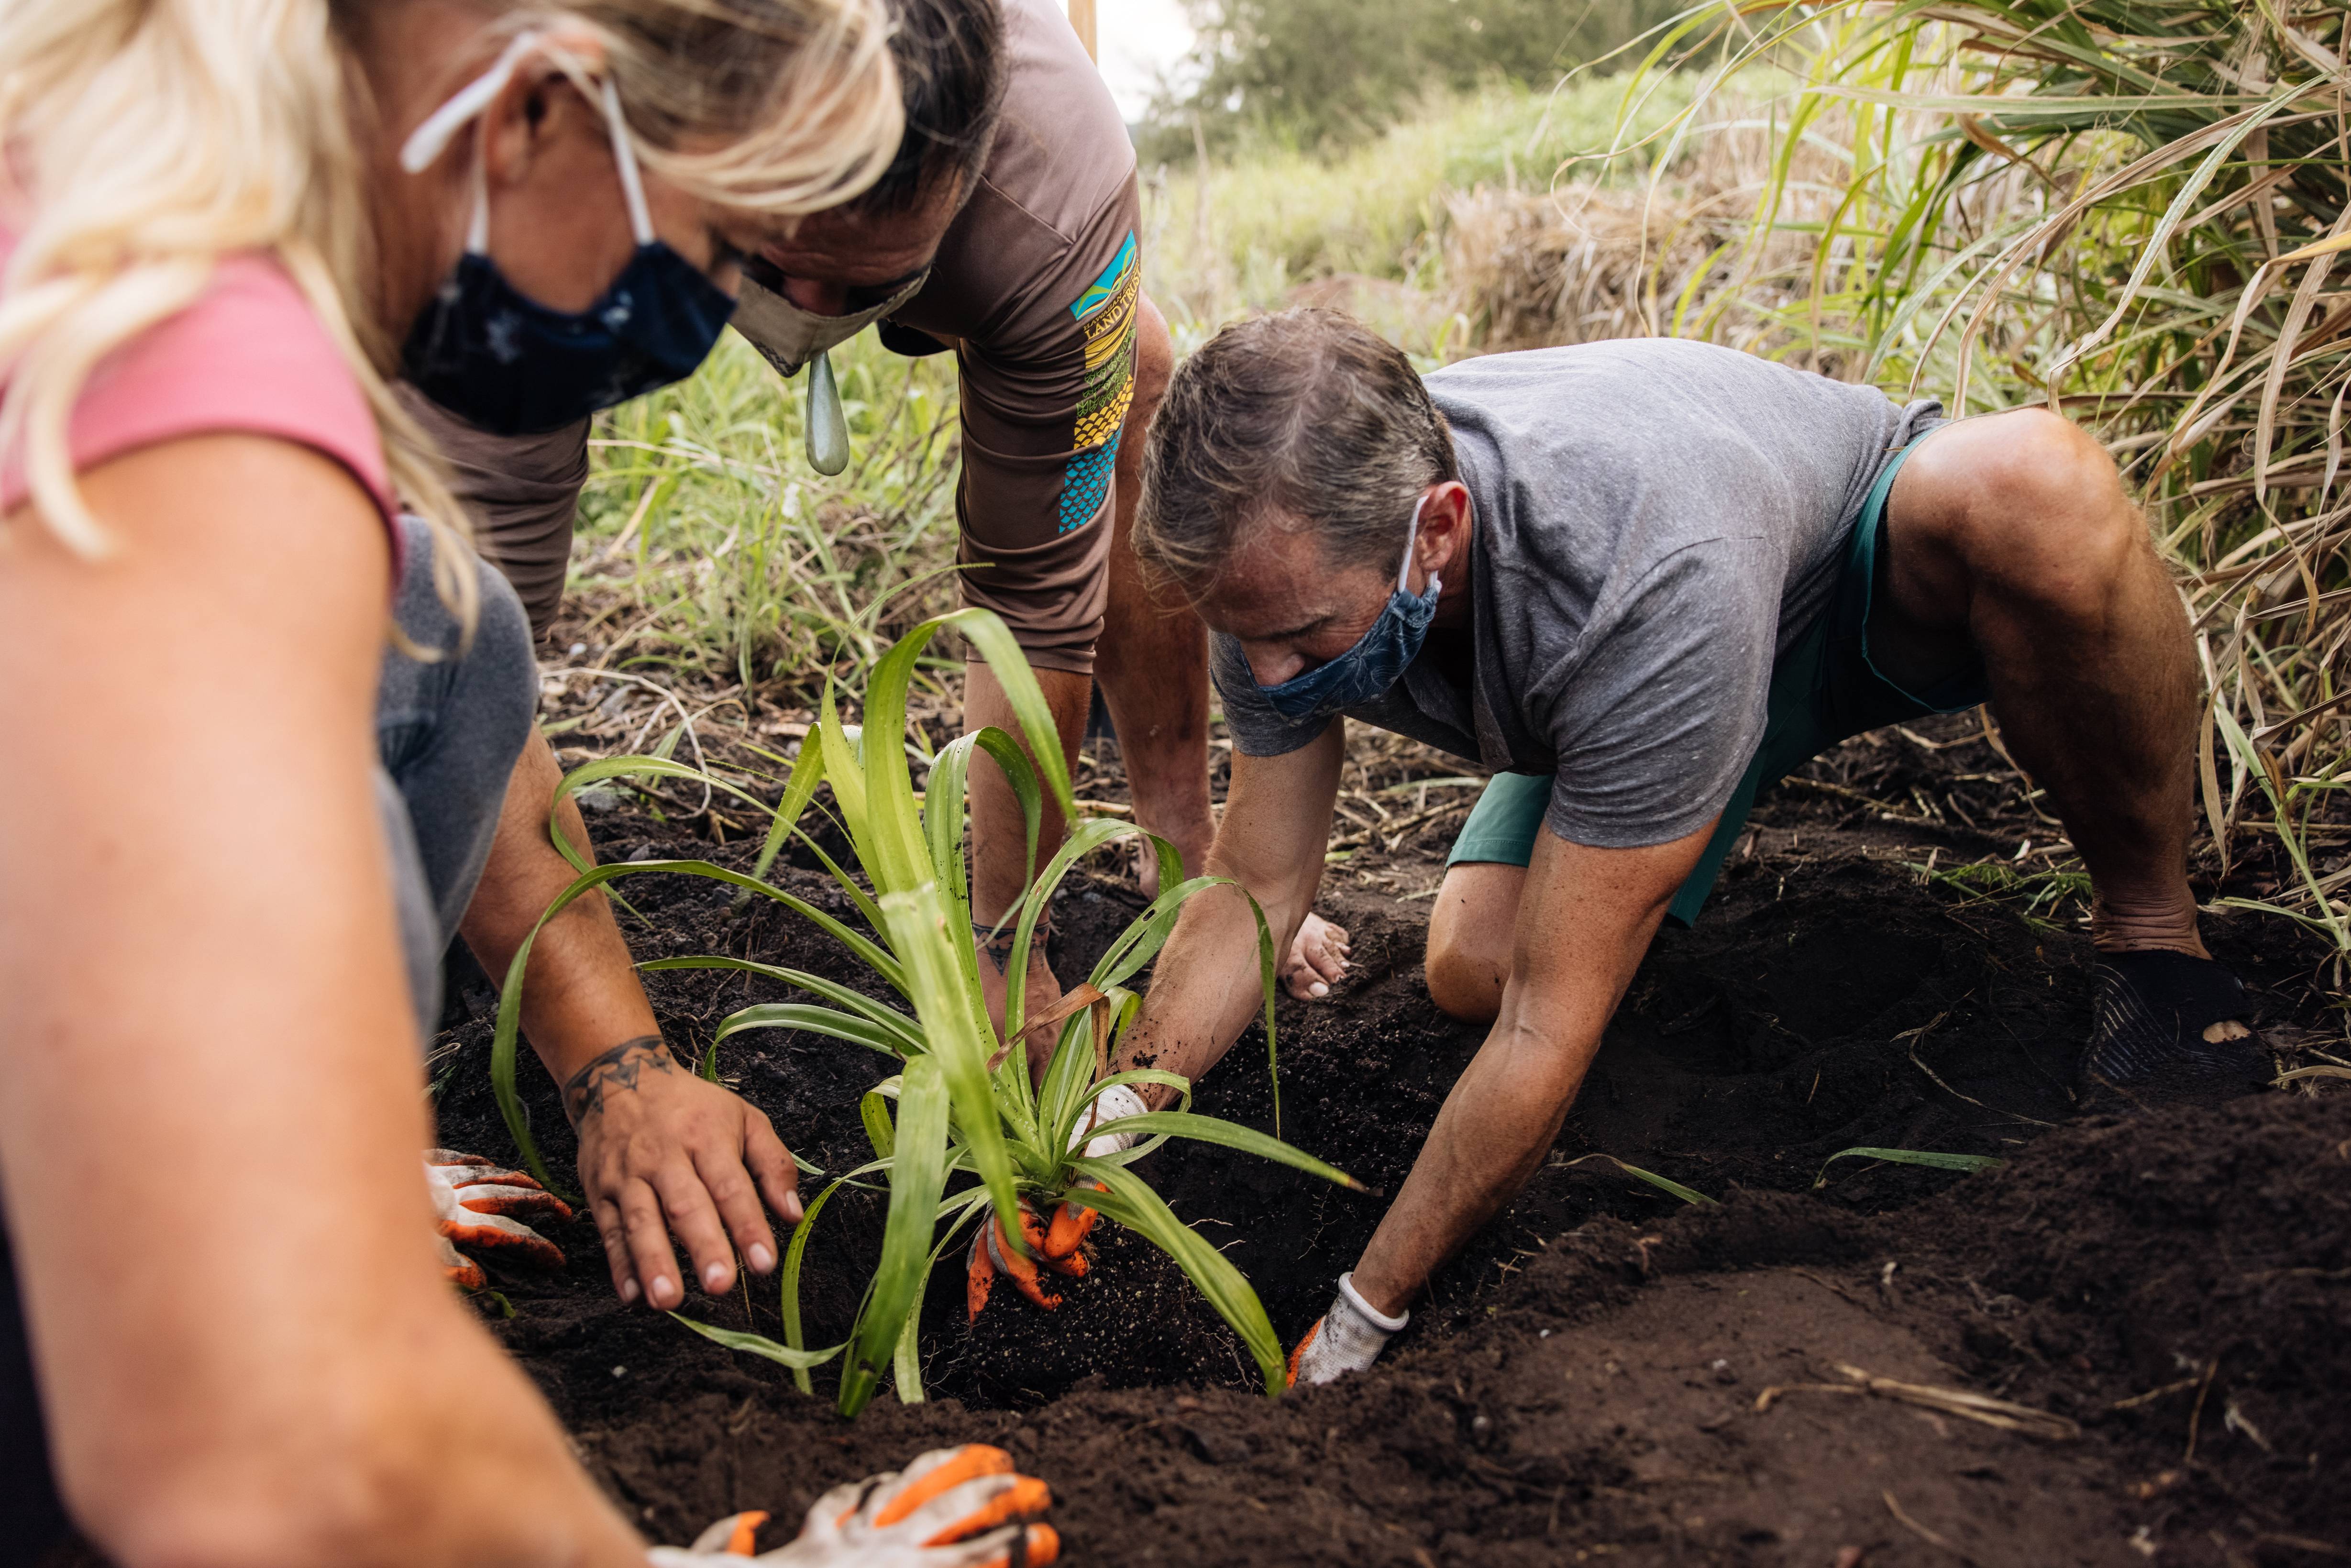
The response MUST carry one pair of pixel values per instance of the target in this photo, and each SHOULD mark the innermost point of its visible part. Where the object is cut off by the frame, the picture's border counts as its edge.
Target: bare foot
(1316, 959)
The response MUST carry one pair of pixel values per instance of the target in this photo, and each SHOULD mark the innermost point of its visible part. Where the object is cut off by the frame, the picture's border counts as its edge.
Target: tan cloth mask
(788, 338)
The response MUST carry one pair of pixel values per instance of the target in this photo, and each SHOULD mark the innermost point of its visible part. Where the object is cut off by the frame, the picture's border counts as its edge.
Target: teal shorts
(1824, 690)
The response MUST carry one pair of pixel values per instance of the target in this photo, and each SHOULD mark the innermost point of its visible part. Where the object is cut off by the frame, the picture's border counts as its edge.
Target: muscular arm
(1585, 920)
(1205, 987)
(208, 1142)
(660, 1149)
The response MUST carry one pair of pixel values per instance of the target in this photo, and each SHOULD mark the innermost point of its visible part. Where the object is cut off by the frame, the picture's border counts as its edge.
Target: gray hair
(1305, 419)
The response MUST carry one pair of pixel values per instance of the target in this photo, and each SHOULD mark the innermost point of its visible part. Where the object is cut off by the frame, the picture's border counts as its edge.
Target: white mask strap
(429, 141)
(478, 226)
(633, 185)
(1403, 572)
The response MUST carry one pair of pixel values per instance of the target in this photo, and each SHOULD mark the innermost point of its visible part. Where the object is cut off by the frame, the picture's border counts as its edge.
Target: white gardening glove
(1118, 1101)
(474, 1205)
(952, 1508)
(1348, 1338)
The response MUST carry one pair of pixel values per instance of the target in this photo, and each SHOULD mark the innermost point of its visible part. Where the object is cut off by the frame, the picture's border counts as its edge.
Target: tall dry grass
(2130, 210)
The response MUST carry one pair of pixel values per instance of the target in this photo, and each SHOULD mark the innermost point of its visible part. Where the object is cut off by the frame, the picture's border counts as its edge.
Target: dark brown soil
(1581, 1383)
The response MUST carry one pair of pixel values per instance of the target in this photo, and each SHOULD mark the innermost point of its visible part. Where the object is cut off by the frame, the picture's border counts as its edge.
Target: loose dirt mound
(1584, 1383)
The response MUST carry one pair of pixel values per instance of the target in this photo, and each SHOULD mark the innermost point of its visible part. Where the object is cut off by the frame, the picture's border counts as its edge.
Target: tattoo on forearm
(999, 948)
(619, 1068)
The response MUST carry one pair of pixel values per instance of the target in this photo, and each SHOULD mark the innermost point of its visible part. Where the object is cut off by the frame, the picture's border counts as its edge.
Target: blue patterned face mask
(501, 361)
(1376, 661)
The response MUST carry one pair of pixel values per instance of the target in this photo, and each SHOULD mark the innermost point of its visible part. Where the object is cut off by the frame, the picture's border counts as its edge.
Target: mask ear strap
(478, 226)
(633, 187)
(1403, 572)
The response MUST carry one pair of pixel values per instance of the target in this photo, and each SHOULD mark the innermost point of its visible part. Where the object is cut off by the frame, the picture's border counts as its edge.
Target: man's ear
(1445, 527)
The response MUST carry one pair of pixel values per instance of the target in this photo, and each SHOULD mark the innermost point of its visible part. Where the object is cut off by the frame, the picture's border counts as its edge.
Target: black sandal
(2158, 1034)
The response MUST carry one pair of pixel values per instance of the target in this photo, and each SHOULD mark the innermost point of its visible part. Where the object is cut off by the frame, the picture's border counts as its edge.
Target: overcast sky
(1138, 38)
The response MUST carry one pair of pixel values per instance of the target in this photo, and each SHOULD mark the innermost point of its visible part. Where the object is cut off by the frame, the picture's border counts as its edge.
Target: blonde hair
(144, 140)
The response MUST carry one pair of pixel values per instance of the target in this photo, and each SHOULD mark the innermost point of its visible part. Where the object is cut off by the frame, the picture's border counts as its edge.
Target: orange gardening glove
(1055, 1246)
(475, 1206)
(952, 1508)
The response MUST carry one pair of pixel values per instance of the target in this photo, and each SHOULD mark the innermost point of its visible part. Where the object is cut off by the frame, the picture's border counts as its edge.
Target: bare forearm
(580, 994)
(1206, 988)
(1487, 1141)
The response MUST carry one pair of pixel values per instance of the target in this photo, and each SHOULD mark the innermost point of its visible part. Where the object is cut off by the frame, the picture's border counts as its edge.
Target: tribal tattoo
(619, 1068)
(998, 947)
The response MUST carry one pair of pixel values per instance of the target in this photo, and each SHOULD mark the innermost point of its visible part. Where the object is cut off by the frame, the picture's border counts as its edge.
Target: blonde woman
(233, 834)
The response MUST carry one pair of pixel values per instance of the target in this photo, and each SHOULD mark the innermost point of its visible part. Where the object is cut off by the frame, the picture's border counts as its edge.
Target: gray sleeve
(1257, 729)
(1655, 730)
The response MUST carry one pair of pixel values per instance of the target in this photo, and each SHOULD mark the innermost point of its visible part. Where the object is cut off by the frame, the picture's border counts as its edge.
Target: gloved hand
(952, 1508)
(1118, 1101)
(1348, 1338)
(474, 1205)
(1055, 1246)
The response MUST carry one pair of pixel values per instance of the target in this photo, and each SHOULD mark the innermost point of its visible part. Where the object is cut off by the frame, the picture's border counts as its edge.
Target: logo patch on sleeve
(1105, 314)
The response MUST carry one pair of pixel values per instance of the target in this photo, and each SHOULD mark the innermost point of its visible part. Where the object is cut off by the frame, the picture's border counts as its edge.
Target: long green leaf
(879, 1014)
(815, 1020)
(799, 1361)
(1248, 1141)
(918, 1176)
(1689, 1195)
(799, 788)
(1931, 1158)
(794, 1251)
(993, 641)
(1129, 1201)
(955, 1026)
(509, 1024)
(874, 1112)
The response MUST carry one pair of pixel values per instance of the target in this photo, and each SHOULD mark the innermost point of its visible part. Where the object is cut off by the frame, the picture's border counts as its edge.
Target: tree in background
(1327, 72)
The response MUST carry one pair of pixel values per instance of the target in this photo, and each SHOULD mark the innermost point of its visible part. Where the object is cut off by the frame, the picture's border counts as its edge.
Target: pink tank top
(248, 357)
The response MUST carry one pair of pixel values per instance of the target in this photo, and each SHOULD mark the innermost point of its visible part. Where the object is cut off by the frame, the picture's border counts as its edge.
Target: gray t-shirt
(1656, 522)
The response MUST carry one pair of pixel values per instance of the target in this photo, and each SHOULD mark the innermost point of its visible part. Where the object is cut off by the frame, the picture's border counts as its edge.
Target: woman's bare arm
(212, 1107)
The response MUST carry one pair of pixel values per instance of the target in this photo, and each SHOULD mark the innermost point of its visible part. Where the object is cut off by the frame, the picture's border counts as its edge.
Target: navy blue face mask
(1378, 660)
(501, 361)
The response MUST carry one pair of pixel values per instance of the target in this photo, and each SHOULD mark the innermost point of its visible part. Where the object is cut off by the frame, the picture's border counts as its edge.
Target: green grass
(745, 565)
(1278, 216)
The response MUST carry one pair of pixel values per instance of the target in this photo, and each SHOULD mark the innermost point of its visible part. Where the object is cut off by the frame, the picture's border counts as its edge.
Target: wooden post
(1081, 18)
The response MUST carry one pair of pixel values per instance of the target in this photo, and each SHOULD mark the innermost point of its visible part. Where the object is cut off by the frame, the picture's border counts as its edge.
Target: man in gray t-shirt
(1655, 522)
(1643, 579)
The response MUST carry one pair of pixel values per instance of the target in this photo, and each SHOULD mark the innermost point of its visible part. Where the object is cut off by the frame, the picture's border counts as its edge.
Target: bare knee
(2035, 510)
(1471, 931)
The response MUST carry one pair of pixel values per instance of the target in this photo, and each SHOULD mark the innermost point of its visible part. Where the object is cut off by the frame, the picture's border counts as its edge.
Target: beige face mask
(789, 338)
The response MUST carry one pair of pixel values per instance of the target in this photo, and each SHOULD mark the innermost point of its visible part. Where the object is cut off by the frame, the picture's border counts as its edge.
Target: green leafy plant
(1933, 1159)
(965, 1105)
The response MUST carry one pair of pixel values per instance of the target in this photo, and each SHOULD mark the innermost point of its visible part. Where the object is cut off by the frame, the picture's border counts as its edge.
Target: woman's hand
(663, 1152)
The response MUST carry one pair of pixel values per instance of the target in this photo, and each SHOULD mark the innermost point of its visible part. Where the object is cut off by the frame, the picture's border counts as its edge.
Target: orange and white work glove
(1054, 1246)
(952, 1508)
(475, 1206)
(1349, 1338)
